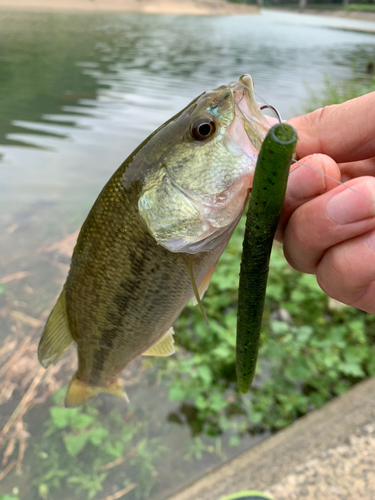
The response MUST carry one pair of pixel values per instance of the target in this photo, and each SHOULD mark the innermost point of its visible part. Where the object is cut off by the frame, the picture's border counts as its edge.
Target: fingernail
(302, 186)
(351, 206)
(371, 240)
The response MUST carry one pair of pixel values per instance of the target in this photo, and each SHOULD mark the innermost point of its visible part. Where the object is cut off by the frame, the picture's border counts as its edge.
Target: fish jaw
(254, 124)
(193, 203)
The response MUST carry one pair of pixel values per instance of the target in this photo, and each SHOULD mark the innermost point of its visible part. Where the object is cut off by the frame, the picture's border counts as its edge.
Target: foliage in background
(312, 349)
(334, 94)
(360, 6)
(79, 444)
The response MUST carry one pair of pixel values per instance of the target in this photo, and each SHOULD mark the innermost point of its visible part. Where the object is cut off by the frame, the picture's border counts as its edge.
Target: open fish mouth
(249, 126)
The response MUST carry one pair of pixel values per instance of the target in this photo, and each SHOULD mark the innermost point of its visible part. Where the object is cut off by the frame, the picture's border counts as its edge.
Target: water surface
(80, 91)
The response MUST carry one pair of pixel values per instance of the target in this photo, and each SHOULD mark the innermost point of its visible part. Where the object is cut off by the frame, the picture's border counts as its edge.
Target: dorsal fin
(164, 346)
(195, 289)
(56, 336)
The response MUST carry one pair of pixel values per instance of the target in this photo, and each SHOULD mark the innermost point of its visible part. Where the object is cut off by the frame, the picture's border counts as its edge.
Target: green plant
(311, 350)
(336, 94)
(357, 6)
(79, 443)
(7, 497)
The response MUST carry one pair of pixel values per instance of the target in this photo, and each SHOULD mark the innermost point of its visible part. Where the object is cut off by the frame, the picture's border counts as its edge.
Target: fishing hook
(273, 109)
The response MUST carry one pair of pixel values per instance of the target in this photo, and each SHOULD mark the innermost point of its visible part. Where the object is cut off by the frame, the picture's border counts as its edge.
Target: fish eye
(203, 129)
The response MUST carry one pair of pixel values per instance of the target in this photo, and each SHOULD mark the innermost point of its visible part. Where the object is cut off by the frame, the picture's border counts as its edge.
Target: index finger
(345, 132)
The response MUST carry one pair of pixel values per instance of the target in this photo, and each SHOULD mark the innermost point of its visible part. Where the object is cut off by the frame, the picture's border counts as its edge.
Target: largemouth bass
(153, 236)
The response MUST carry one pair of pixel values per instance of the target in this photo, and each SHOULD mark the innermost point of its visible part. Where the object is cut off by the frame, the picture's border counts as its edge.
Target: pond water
(78, 92)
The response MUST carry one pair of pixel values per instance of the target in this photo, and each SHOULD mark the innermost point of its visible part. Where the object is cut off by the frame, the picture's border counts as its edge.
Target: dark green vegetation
(360, 6)
(79, 450)
(333, 94)
(265, 207)
(311, 350)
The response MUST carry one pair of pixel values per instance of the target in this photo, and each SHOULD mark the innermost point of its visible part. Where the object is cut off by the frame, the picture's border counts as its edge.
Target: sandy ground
(195, 7)
(329, 454)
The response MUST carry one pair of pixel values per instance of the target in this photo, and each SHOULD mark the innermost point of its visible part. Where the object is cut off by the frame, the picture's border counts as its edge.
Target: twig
(64, 246)
(22, 406)
(121, 460)
(18, 354)
(21, 454)
(13, 277)
(25, 318)
(7, 391)
(8, 345)
(11, 228)
(122, 492)
(8, 469)
(8, 450)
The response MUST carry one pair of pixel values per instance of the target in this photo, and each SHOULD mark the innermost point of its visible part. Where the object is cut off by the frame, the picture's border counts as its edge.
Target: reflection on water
(88, 88)
(77, 94)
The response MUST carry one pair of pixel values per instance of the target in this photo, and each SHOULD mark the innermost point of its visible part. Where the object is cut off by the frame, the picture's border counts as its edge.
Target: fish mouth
(249, 127)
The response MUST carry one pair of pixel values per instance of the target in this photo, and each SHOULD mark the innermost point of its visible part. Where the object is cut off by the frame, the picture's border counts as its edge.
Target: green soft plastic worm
(265, 207)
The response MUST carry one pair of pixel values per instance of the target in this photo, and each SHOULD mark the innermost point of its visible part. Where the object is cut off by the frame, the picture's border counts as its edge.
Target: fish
(153, 237)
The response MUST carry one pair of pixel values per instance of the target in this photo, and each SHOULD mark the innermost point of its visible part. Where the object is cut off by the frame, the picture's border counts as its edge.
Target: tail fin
(56, 336)
(79, 392)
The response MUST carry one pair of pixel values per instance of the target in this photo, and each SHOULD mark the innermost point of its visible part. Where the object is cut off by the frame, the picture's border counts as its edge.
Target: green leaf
(61, 416)
(80, 420)
(205, 374)
(97, 436)
(234, 441)
(114, 448)
(256, 417)
(298, 370)
(352, 368)
(74, 444)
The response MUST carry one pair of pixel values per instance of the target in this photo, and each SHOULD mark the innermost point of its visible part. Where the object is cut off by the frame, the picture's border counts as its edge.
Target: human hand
(328, 229)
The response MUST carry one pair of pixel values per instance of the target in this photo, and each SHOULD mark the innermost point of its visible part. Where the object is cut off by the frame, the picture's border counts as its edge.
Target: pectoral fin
(190, 263)
(79, 392)
(205, 284)
(56, 337)
(164, 347)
